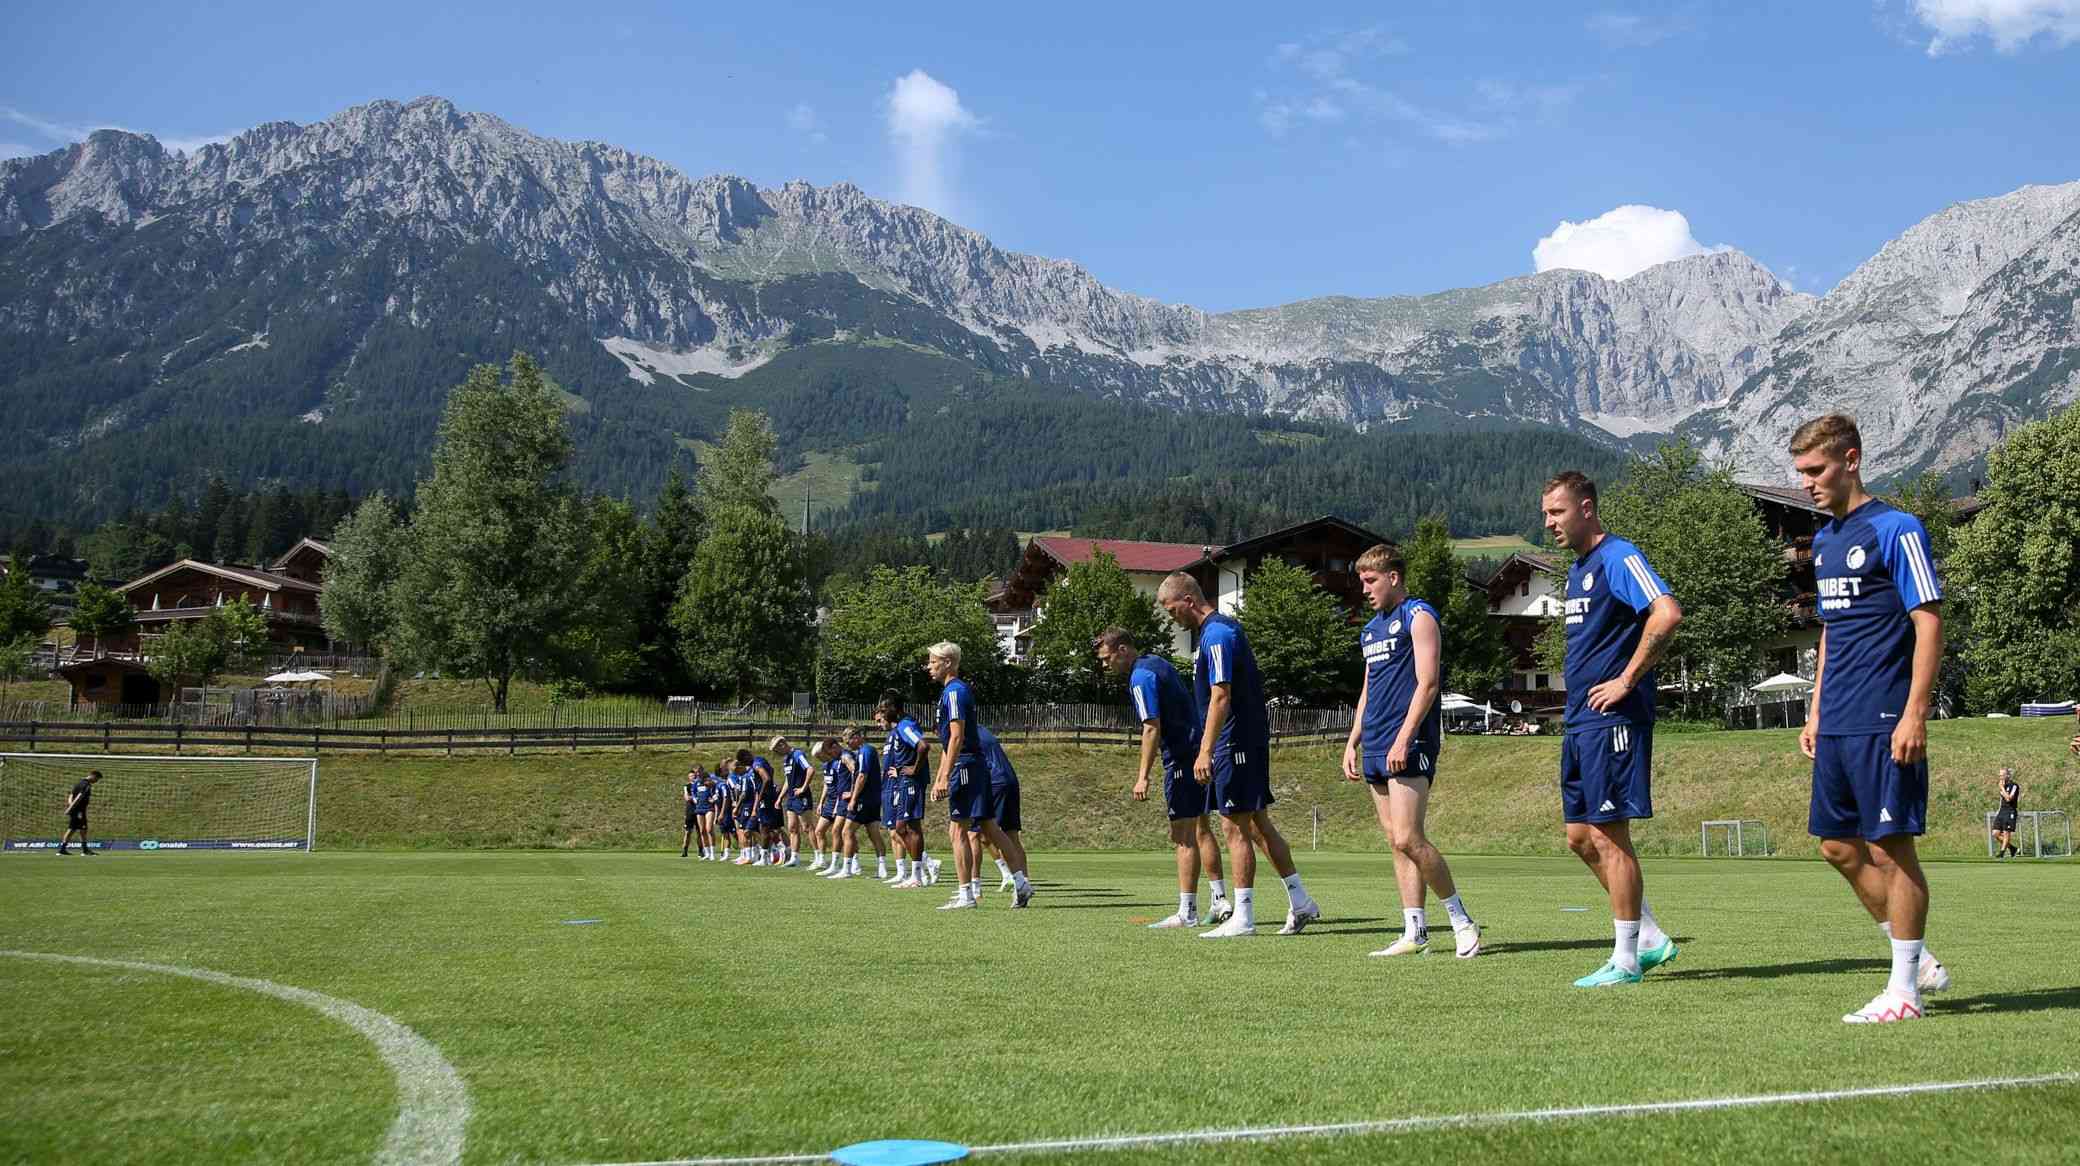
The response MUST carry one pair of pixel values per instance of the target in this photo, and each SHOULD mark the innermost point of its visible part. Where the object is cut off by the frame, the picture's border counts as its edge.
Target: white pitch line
(432, 1102)
(1444, 1121)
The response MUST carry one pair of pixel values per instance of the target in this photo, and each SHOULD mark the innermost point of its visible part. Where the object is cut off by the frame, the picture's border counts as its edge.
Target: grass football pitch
(715, 1011)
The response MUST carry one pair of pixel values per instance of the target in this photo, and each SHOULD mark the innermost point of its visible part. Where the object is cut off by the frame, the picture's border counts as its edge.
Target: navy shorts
(967, 794)
(1859, 791)
(771, 818)
(798, 804)
(889, 817)
(1183, 796)
(1422, 762)
(693, 817)
(829, 808)
(747, 821)
(1241, 782)
(1606, 774)
(1004, 800)
(868, 807)
(910, 800)
(76, 820)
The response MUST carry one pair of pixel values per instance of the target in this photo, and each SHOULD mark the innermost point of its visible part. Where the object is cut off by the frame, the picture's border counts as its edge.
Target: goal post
(2037, 833)
(1736, 837)
(161, 803)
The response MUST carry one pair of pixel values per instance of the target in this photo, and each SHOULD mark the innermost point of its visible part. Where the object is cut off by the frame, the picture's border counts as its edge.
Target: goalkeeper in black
(76, 813)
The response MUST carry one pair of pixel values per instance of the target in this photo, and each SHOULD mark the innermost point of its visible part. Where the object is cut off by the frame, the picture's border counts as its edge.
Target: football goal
(161, 803)
(1734, 838)
(2038, 833)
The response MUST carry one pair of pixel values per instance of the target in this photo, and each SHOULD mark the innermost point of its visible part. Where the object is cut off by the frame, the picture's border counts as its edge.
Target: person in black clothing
(2004, 818)
(76, 813)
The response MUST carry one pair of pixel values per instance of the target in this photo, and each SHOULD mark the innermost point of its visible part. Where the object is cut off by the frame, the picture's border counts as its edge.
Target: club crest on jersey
(1855, 558)
(1394, 629)
(1589, 581)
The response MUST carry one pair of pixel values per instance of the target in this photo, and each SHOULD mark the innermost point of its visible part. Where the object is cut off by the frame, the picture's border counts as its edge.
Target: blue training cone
(898, 1152)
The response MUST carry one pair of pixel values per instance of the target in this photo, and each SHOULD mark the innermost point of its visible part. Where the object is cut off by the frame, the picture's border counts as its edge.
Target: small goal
(1734, 838)
(161, 803)
(2038, 833)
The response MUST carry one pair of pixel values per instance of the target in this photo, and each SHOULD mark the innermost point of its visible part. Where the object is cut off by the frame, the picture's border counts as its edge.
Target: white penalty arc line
(432, 1102)
(1445, 1121)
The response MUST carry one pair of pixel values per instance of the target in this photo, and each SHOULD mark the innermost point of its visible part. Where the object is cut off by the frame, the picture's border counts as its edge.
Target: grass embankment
(1495, 795)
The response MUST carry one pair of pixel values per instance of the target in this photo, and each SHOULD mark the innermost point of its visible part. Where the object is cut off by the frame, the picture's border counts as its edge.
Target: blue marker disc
(581, 922)
(898, 1152)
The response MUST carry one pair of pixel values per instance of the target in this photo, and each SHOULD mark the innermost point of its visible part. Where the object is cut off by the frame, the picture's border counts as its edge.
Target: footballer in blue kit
(964, 782)
(1619, 619)
(1881, 643)
(1169, 719)
(1394, 741)
(905, 761)
(794, 803)
(867, 798)
(696, 812)
(1234, 756)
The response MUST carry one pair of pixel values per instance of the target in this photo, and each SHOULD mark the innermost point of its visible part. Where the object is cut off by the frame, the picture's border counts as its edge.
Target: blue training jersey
(1608, 593)
(1873, 567)
(1001, 774)
(1224, 658)
(696, 796)
(1159, 694)
(1388, 645)
(901, 749)
(957, 703)
(796, 765)
(837, 780)
(869, 759)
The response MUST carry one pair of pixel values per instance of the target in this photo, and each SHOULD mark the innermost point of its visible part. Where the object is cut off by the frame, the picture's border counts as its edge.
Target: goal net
(1735, 838)
(161, 803)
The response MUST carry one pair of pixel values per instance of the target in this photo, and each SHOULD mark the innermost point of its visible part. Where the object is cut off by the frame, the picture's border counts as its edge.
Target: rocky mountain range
(314, 282)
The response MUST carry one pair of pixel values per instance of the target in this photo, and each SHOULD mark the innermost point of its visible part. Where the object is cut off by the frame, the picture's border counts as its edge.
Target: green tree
(599, 647)
(100, 612)
(744, 614)
(1703, 536)
(491, 574)
(14, 661)
(367, 550)
(1475, 657)
(1929, 499)
(1089, 598)
(24, 609)
(878, 630)
(2017, 567)
(241, 627)
(190, 653)
(739, 470)
(1305, 645)
(125, 550)
(670, 538)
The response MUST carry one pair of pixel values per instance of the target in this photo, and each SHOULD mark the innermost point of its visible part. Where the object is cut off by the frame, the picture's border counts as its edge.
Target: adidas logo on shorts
(1606, 807)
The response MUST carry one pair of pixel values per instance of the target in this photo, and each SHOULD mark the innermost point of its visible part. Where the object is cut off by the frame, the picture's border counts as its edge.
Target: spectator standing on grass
(1394, 741)
(1881, 643)
(1620, 618)
(1234, 760)
(1170, 734)
(2004, 818)
(76, 813)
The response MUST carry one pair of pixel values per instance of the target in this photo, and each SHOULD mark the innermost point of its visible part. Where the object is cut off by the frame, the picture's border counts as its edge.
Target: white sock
(902, 867)
(1927, 956)
(1456, 910)
(1003, 869)
(1246, 906)
(1188, 904)
(881, 867)
(819, 856)
(1219, 887)
(1906, 966)
(975, 889)
(1414, 924)
(1625, 953)
(1650, 933)
(1294, 891)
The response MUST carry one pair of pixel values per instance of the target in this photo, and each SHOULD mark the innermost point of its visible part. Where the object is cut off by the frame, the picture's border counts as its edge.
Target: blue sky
(1221, 155)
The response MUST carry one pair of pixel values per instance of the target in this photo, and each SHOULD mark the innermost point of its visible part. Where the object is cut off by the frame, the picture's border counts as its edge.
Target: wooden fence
(105, 736)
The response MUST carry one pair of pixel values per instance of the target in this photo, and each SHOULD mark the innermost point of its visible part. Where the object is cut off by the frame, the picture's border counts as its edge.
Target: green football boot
(1661, 953)
(1606, 976)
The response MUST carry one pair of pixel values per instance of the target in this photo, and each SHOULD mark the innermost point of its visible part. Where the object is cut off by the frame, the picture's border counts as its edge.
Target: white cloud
(802, 119)
(925, 120)
(1328, 80)
(1619, 243)
(1626, 30)
(66, 132)
(2009, 24)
